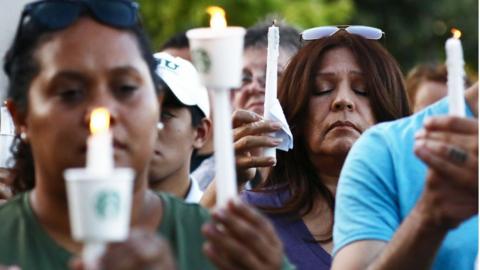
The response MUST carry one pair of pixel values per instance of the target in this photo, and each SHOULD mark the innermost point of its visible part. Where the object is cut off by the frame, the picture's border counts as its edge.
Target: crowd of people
(379, 177)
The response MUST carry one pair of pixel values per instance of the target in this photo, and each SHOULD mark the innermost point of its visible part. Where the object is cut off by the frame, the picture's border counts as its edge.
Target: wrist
(427, 221)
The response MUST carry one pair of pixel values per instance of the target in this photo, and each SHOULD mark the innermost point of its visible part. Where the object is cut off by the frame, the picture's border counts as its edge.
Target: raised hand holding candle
(271, 80)
(456, 73)
(217, 53)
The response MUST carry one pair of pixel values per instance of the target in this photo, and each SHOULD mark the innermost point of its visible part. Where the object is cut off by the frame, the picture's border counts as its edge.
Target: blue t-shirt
(380, 184)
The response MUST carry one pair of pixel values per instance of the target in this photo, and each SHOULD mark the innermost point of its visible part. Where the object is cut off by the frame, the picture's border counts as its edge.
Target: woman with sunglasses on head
(341, 82)
(68, 58)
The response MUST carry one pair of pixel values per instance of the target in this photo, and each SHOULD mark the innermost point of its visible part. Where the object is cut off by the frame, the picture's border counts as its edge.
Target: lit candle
(99, 163)
(456, 73)
(99, 144)
(271, 80)
(217, 53)
(99, 196)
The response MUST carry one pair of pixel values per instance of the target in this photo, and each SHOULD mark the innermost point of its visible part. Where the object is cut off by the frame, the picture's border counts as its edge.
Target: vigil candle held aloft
(456, 75)
(99, 195)
(217, 53)
(271, 78)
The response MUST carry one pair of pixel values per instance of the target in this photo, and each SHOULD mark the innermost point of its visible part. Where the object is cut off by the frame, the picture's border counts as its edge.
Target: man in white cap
(183, 128)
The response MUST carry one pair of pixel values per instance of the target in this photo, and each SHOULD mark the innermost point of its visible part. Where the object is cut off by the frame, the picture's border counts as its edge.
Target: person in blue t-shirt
(408, 193)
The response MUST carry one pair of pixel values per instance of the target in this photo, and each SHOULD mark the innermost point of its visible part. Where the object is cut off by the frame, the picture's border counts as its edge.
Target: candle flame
(456, 33)
(99, 120)
(217, 17)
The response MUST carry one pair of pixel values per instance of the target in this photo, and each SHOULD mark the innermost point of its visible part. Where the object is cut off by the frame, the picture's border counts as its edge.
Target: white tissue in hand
(276, 114)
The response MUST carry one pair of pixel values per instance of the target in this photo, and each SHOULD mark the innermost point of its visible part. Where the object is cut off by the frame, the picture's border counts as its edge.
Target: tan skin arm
(439, 209)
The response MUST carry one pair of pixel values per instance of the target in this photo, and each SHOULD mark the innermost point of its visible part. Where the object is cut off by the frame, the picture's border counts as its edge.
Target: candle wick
(274, 22)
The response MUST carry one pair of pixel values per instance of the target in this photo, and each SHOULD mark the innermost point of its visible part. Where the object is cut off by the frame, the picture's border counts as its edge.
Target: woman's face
(339, 108)
(85, 66)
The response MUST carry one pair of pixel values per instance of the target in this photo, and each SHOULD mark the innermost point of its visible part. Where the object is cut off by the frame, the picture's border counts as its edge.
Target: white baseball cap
(182, 78)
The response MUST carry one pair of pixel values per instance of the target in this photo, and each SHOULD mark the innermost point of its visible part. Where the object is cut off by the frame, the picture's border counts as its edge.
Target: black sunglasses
(58, 14)
(53, 15)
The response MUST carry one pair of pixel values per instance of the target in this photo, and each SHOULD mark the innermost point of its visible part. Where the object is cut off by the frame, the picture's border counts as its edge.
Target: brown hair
(387, 97)
(421, 73)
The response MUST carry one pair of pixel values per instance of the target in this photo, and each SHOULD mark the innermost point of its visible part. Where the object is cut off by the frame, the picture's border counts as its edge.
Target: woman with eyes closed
(339, 84)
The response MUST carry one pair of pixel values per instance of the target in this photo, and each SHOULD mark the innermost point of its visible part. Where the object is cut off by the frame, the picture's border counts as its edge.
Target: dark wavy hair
(21, 68)
(387, 96)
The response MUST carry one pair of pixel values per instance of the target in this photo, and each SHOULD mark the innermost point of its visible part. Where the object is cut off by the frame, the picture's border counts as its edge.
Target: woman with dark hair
(341, 82)
(68, 58)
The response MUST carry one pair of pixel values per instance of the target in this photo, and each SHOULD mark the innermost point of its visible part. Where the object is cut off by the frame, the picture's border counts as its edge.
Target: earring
(160, 125)
(23, 136)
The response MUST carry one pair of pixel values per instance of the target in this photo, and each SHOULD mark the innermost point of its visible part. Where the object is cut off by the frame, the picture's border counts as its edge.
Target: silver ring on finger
(457, 155)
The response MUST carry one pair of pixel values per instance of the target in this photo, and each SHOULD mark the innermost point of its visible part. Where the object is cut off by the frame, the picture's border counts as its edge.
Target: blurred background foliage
(415, 30)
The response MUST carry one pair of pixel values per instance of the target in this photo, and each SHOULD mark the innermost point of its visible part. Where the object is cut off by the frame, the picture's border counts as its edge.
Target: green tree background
(415, 30)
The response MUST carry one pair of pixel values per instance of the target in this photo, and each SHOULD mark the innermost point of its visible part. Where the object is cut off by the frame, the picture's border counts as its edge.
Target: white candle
(456, 73)
(226, 179)
(99, 163)
(99, 196)
(217, 53)
(271, 80)
(99, 144)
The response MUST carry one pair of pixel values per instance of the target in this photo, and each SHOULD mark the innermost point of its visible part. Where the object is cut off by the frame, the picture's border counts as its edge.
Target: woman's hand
(241, 238)
(449, 147)
(142, 250)
(250, 137)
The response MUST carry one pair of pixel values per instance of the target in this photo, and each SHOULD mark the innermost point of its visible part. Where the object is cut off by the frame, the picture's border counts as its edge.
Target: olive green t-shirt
(25, 243)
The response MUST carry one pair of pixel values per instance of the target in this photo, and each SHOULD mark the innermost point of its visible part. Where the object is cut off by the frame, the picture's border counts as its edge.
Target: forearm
(413, 246)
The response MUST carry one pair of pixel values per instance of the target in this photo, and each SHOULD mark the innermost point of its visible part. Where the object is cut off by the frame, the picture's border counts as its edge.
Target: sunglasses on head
(367, 32)
(54, 15)
(58, 14)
